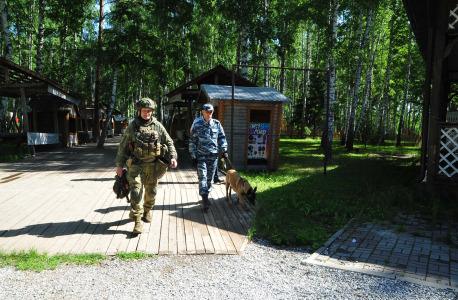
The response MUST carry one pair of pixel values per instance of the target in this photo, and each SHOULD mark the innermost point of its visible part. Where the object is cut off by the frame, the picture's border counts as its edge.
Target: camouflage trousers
(138, 176)
(206, 167)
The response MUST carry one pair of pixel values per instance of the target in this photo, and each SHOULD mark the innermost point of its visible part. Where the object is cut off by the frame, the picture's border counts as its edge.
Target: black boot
(206, 202)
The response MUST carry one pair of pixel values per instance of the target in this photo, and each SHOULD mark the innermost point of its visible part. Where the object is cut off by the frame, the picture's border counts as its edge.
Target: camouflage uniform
(203, 145)
(142, 172)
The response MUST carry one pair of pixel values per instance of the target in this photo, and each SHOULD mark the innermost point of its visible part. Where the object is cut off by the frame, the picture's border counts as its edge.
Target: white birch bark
(406, 91)
(8, 55)
(386, 92)
(369, 78)
(332, 81)
(244, 46)
(41, 31)
(359, 63)
(264, 44)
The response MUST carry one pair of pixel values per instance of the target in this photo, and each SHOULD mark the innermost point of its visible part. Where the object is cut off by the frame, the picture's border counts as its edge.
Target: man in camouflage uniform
(206, 135)
(143, 148)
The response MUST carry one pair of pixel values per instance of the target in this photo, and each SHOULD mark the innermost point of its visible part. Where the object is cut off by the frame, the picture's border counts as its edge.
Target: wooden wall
(241, 122)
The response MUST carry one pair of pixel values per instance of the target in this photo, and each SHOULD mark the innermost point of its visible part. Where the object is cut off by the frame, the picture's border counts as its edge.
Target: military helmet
(145, 103)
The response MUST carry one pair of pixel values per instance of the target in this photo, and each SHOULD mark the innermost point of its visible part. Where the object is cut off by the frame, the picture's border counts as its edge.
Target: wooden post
(34, 117)
(25, 118)
(438, 97)
(56, 124)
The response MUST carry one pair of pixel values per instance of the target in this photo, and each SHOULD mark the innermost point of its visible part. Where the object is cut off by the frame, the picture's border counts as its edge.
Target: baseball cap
(207, 107)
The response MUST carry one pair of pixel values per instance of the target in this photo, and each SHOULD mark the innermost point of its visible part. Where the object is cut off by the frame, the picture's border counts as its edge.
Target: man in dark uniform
(206, 135)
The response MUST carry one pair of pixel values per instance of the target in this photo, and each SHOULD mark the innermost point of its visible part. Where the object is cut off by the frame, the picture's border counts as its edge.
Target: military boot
(138, 224)
(147, 215)
(206, 202)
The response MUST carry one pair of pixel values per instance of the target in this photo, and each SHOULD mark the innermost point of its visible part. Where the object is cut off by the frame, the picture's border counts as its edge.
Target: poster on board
(258, 140)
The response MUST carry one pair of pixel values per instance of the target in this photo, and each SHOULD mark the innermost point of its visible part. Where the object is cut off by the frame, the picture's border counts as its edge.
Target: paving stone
(421, 271)
(423, 259)
(444, 269)
(411, 269)
(414, 258)
(444, 257)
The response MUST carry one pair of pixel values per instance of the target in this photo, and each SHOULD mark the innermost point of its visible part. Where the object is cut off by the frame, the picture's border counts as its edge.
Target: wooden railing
(448, 156)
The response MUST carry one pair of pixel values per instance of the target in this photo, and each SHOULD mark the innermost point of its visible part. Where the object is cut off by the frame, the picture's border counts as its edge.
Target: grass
(300, 206)
(32, 260)
(10, 152)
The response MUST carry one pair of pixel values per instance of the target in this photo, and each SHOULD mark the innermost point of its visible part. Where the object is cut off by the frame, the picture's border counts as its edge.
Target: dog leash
(232, 166)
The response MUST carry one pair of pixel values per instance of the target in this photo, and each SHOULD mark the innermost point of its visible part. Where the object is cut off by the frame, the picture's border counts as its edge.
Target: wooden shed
(183, 99)
(435, 25)
(255, 142)
(51, 114)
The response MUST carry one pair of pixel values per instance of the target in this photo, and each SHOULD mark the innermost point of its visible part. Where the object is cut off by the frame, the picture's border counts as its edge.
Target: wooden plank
(181, 237)
(173, 223)
(20, 224)
(235, 233)
(74, 219)
(225, 236)
(164, 240)
(91, 230)
(152, 245)
(101, 238)
(188, 230)
(198, 221)
(215, 234)
(237, 209)
(60, 216)
(123, 233)
(72, 245)
(194, 210)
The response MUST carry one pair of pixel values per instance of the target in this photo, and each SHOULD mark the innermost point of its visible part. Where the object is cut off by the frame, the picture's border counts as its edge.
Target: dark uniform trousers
(206, 167)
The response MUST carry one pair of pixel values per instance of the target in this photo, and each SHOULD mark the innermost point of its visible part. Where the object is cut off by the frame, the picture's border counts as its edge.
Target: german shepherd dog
(240, 186)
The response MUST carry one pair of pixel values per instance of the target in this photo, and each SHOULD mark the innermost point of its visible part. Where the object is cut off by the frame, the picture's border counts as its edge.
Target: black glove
(194, 162)
(225, 155)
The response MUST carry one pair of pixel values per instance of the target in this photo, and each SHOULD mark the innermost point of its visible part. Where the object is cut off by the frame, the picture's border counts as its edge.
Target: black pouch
(160, 167)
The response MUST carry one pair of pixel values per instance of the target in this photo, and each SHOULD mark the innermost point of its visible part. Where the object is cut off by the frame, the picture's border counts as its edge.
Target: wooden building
(435, 24)
(255, 142)
(54, 109)
(182, 101)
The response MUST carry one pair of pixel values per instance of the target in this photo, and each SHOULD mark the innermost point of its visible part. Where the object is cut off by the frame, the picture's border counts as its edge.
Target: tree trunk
(8, 55)
(41, 33)
(359, 63)
(244, 47)
(96, 124)
(332, 83)
(387, 80)
(369, 80)
(264, 43)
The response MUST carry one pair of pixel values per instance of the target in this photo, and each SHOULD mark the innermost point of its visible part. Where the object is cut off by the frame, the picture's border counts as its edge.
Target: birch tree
(8, 55)
(406, 92)
(359, 63)
(41, 33)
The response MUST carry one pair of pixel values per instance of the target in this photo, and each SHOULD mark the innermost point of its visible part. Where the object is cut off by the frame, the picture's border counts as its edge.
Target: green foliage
(301, 206)
(32, 260)
(13, 157)
(131, 256)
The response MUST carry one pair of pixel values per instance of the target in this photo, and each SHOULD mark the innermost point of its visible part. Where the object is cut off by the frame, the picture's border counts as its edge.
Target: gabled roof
(13, 77)
(224, 92)
(219, 73)
(422, 15)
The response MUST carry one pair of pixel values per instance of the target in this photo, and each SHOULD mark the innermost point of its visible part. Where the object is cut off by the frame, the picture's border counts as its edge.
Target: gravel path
(262, 272)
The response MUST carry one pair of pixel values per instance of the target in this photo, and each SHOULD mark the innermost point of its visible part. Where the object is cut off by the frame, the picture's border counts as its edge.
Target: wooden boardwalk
(62, 202)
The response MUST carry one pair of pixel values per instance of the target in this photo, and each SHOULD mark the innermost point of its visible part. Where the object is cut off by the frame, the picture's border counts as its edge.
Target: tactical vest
(147, 145)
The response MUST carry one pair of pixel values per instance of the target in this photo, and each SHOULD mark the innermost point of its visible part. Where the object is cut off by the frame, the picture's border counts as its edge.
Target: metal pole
(328, 82)
(232, 113)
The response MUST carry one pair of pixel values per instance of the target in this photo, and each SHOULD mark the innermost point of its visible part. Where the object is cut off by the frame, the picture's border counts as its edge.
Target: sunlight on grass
(33, 260)
(301, 206)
